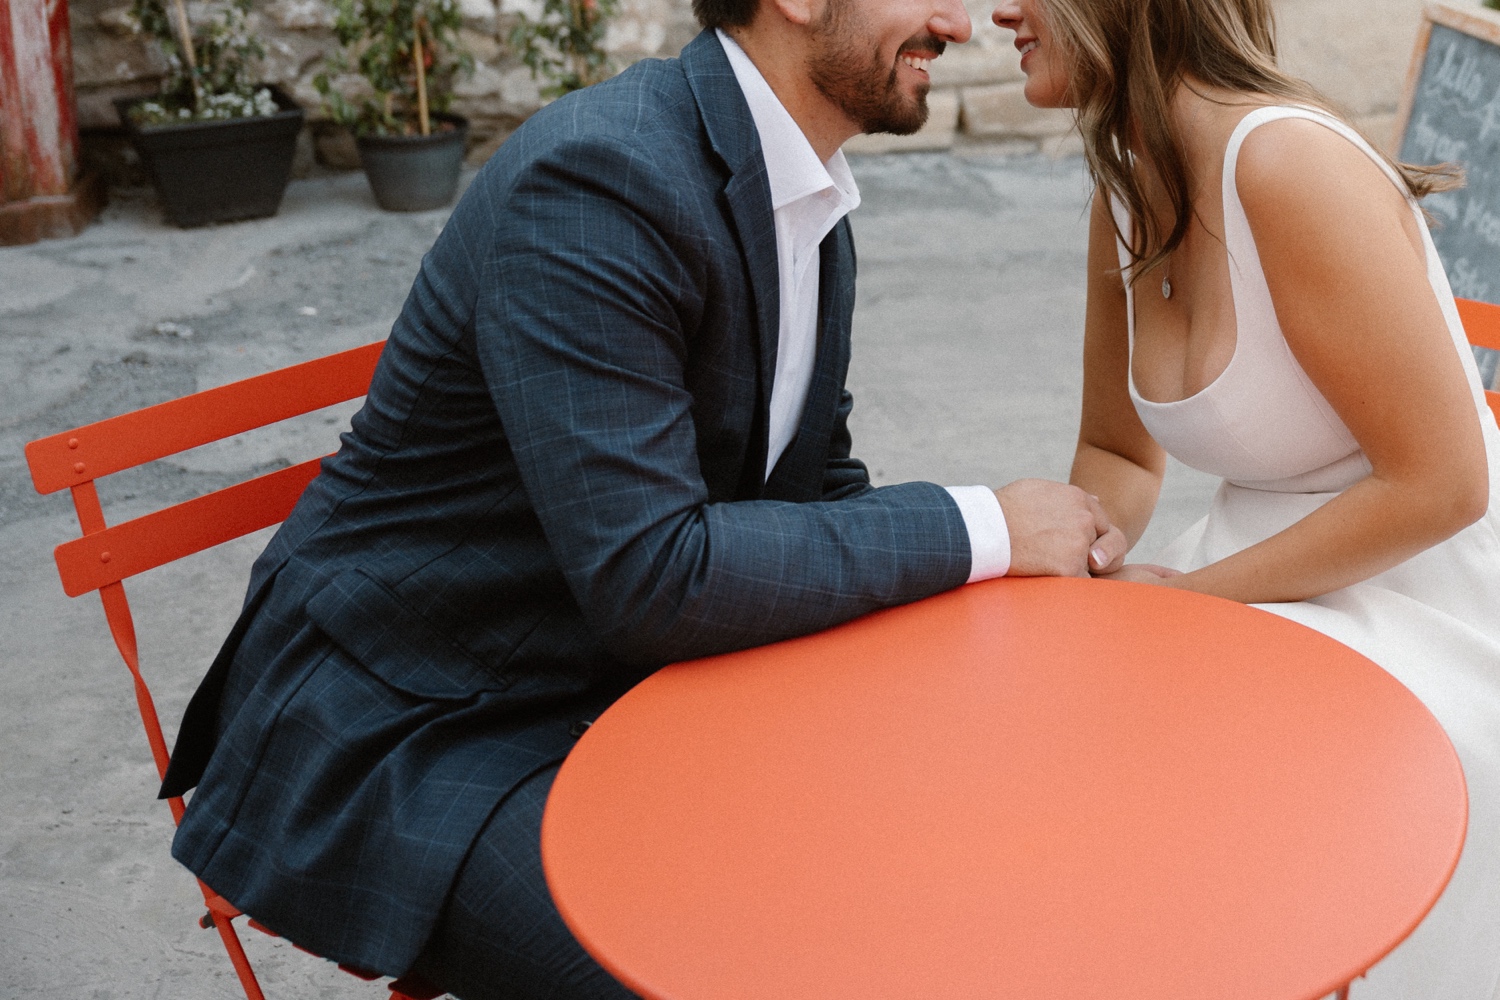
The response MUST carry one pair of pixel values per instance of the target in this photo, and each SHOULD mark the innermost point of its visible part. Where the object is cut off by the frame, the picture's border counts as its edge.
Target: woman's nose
(1007, 15)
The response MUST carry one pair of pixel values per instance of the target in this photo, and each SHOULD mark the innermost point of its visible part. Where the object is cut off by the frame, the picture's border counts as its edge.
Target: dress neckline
(1229, 196)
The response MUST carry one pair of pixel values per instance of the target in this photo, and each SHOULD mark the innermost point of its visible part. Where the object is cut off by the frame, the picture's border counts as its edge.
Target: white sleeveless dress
(1433, 622)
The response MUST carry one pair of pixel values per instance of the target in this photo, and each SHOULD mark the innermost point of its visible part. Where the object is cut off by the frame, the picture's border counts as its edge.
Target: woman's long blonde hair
(1127, 59)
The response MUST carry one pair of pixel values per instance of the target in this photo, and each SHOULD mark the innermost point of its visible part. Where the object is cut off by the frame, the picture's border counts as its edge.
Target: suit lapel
(732, 133)
(749, 196)
(798, 474)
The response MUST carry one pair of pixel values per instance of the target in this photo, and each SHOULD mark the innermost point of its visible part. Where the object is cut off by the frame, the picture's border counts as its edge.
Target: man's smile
(918, 53)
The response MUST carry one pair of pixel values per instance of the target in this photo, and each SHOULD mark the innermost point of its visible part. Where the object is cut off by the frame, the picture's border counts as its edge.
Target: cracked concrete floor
(967, 342)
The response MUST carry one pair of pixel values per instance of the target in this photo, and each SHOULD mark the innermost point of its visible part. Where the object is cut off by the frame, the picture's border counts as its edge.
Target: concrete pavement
(966, 370)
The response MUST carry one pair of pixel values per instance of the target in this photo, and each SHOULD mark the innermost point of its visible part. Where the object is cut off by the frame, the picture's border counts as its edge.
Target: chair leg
(237, 956)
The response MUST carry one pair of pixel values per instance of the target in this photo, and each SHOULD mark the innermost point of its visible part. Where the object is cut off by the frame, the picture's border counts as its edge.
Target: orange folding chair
(1482, 325)
(106, 555)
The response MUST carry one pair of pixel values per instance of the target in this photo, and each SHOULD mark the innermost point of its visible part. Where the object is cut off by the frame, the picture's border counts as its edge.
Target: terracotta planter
(413, 173)
(218, 171)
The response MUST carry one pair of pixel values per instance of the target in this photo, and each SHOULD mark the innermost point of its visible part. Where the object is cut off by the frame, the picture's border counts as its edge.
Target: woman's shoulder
(1312, 196)
(1291, 155)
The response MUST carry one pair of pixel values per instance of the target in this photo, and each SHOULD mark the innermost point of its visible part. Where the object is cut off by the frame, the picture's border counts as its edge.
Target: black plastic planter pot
(412, 173)
(218, 171)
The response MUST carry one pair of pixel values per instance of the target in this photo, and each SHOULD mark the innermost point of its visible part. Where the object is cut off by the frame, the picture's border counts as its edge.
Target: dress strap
(1260, 116)
(1122, 220)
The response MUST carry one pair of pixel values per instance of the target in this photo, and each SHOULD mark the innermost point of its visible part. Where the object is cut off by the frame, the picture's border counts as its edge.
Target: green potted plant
(565, 45)
(216, 146)
(408, 57)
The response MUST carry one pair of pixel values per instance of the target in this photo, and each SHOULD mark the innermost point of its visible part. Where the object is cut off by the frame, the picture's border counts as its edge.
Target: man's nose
(950, 21)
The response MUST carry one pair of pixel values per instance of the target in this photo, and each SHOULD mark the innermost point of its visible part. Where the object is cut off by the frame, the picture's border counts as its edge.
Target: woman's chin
(1044, 94)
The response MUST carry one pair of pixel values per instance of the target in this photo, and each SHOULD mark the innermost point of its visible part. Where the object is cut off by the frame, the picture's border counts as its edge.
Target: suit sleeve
(586, 295)
(845, 476)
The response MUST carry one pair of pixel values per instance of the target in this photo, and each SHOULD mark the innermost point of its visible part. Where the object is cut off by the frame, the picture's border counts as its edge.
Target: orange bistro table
(1040, 789)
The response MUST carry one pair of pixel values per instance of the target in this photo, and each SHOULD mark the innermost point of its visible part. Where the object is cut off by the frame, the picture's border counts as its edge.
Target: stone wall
(1355, 50)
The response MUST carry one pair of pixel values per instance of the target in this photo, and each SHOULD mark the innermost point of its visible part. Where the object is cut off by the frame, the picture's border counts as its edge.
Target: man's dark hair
(725, 13)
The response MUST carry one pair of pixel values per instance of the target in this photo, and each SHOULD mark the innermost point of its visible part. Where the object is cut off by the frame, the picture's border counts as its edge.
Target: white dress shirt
(808, 198)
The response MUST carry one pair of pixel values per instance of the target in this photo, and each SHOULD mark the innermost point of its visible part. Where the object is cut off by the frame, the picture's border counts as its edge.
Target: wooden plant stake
(416, 50)
(580, 14)
(186, 33)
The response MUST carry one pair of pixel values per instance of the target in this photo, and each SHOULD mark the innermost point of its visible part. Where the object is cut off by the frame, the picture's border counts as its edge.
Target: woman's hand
(1140, 573)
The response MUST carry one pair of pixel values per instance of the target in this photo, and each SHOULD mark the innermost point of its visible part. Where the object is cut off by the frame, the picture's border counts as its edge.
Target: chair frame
(1482, 326)
(106, 554)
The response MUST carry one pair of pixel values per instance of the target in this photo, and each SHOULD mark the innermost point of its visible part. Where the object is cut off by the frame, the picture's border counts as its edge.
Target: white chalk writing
(1459, 74)
(1491, 121)
(1468, 280)
(1432, 145)
(1456, 118)
(1485, 223)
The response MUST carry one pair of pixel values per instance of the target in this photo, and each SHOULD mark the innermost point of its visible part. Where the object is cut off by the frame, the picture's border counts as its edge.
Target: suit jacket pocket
(395, 643)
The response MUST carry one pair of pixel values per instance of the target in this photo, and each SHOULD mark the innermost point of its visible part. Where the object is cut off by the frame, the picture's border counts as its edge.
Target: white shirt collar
(792, 166)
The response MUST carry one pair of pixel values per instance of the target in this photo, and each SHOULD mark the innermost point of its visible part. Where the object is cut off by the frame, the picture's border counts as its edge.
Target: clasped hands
(1060, 530)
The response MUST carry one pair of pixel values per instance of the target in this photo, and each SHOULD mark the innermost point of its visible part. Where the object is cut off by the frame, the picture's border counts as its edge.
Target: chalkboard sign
(1451, 112)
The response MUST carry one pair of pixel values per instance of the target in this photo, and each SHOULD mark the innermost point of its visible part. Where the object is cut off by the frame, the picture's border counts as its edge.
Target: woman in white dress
(1265, 304)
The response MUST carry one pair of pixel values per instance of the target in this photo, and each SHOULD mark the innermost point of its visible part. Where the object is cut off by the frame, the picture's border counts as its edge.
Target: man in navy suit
(608, 432)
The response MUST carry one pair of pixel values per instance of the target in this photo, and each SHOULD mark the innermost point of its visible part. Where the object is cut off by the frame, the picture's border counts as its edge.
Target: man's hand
(1058, 530)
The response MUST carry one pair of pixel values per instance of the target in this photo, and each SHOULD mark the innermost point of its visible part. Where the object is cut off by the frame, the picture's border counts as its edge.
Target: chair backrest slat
(1481, 323)
(1482, 326)
(131, 439)
(163, 536)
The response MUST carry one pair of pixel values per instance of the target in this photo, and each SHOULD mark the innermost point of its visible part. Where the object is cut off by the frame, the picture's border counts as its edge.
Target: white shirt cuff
(989, 537)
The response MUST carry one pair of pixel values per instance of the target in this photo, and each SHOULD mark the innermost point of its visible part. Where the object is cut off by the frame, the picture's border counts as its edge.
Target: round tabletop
(1021, 788)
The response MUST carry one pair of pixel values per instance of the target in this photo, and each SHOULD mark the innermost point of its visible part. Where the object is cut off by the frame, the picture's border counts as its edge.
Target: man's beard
(857, 83)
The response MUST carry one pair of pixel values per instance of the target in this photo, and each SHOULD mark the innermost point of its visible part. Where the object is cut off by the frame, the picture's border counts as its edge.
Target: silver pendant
(1166, 287)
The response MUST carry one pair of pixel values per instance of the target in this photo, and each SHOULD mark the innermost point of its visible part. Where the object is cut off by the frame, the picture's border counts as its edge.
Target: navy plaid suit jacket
(555, 486)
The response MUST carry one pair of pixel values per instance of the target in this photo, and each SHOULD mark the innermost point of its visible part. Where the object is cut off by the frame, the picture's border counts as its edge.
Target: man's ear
(798, 12)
